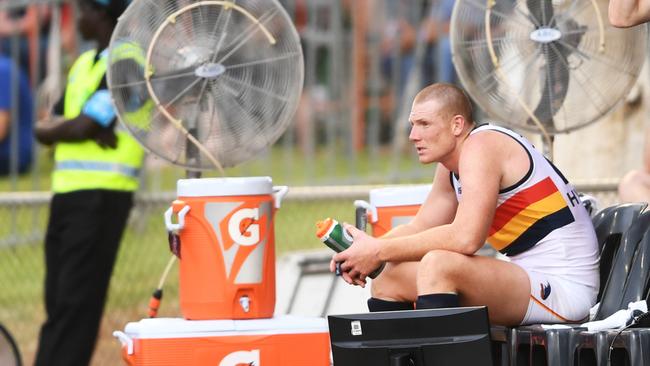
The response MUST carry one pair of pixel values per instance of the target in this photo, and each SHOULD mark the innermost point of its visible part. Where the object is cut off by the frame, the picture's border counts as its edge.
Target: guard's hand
(358, 261)
(106, 138)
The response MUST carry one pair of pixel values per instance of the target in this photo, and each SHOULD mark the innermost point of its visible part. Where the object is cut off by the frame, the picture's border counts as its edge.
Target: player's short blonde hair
(453, 99)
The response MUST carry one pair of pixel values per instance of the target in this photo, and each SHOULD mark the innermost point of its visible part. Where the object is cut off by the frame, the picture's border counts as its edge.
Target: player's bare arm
(438, 209)
(479, 167)
(628, 13)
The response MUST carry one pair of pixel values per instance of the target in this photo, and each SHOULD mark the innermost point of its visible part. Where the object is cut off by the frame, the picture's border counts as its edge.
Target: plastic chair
(611, 225)
(561, 345)
(630, 341)
(614, 288)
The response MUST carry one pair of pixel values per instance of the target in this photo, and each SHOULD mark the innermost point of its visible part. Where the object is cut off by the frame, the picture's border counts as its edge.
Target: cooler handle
(125, 340)
(369, 208)
(278, 194)
(171, 227)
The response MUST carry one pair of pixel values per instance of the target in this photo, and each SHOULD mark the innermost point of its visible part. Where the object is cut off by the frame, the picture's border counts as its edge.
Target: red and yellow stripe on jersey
(528, 216)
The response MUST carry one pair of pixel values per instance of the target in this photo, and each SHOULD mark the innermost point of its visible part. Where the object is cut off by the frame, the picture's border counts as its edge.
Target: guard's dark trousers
(83, 236)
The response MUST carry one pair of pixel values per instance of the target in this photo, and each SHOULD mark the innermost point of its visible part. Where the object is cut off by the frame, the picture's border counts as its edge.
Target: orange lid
(323, 226)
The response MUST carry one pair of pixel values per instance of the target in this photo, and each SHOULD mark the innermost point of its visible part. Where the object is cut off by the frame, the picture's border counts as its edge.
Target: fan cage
(196, 82)
(564, 84)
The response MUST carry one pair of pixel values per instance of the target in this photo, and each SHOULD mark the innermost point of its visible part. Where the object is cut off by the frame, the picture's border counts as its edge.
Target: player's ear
(458, 124)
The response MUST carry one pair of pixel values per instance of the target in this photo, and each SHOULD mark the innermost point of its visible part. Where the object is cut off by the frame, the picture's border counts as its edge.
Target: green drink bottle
(330, 232)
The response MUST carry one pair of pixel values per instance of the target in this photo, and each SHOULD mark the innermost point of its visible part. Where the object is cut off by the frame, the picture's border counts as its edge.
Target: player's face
(431, 132)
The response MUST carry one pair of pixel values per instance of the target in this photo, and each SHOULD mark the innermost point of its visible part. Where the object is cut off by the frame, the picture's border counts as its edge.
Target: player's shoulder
(483, 140)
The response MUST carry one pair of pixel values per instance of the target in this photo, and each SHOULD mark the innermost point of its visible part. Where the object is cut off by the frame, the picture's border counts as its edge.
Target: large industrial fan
(205, 84)
(548, 66)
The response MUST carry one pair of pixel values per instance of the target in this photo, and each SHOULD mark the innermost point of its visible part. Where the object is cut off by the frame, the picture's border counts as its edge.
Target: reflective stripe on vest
(98, 166)
(80, 165)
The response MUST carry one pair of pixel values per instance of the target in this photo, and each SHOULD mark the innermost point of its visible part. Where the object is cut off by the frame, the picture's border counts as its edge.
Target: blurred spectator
(411, 25)
(635, 185)
(401, 32)
(24, 121)
(397, 44)
(436, 28)
(32, 25)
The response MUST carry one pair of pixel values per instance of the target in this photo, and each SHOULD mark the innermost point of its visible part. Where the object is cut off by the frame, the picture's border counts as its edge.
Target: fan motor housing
(210, 70)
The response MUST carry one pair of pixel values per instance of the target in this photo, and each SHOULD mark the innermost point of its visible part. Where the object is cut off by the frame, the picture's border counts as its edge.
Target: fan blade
(556, 54)
(541, 11)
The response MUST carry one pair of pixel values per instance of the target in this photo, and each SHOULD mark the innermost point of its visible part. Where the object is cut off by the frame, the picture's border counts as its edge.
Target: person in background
(23, 122)
(436, 28)
(32, 25)
(94, 178)
(635, 185)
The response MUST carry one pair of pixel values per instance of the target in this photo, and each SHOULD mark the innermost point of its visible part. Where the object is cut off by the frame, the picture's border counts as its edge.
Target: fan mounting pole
(192, 155)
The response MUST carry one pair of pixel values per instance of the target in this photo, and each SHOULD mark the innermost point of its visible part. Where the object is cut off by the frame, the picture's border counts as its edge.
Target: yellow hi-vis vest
(86, 165)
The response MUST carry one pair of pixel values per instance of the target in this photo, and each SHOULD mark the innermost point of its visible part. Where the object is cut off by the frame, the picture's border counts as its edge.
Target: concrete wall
(609, 147)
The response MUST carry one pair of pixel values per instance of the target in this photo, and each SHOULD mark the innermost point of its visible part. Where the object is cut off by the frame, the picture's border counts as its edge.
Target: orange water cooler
(227, 250)
(226, 285)
(279, 341)
(390, 207)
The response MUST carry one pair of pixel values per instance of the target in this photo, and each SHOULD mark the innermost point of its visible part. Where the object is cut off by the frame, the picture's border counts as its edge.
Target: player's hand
(358, 261)
(333, 266)
(346, 276)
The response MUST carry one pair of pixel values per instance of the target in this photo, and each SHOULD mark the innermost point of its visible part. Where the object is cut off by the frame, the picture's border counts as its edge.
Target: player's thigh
(502, 286)
(397, 282)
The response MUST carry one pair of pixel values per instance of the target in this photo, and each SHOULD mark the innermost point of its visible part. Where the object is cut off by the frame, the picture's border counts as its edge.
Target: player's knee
(383, 285)
(628, 179)
(630, 186)
(438, 264)
(378, 288)
(387, 285)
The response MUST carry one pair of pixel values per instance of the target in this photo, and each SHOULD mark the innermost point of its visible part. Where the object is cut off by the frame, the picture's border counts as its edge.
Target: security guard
(95, 175)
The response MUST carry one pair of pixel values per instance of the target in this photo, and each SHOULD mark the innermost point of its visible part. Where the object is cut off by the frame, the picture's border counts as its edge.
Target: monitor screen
(436, 337)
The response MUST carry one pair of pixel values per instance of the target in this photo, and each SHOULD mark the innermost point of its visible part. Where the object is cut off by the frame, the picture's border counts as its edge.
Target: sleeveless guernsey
(540, 223)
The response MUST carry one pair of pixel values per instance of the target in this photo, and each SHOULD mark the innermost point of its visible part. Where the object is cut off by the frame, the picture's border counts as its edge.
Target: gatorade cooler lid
(209, 187)
(399, 196)
(180, 328)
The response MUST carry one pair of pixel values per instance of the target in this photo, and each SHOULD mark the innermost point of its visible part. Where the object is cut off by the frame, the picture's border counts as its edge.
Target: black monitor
(437, 337)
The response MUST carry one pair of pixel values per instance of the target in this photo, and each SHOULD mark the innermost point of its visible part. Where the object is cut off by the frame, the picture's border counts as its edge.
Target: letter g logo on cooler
(242, 230)
(242, 358)
(243, 227)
